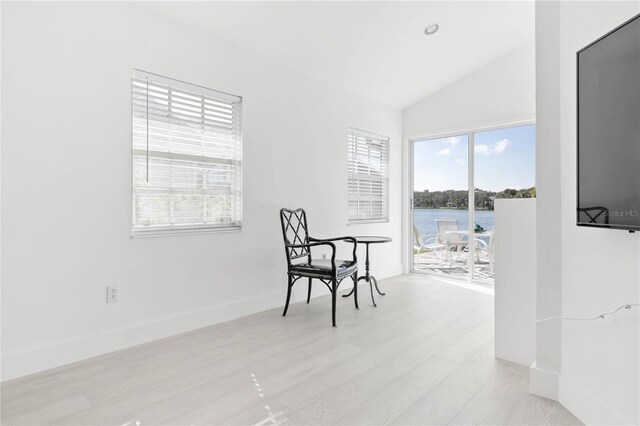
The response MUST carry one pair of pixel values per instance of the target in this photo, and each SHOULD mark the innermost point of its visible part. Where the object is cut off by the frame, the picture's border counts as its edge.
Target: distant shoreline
(450, 208)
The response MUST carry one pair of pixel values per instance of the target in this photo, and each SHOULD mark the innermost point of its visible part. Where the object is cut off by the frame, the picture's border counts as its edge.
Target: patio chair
(487, 250)
(452, 237)
(421, 246)
(298, 245)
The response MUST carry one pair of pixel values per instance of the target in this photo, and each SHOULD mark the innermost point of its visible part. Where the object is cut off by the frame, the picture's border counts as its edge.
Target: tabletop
(466, 232)
(369, 239)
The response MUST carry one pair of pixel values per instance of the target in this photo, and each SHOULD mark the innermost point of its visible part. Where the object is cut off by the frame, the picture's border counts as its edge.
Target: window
(368, 167)
(187, 156)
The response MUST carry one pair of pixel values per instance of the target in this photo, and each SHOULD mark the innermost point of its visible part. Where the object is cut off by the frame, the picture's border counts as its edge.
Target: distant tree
(458, 199)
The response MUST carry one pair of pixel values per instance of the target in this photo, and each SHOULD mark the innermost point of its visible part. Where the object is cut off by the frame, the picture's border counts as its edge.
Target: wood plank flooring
(423, 356)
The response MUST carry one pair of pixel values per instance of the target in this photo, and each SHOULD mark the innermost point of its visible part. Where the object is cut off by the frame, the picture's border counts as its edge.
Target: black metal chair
(298, 245)
(595, 214)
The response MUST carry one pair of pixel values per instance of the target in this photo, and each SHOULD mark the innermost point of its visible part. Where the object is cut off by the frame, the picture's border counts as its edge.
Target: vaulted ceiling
(375, 49)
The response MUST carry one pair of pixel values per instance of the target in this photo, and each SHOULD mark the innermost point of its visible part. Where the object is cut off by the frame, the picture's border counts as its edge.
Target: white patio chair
(487, 249)
(421, 246)
(452, 237)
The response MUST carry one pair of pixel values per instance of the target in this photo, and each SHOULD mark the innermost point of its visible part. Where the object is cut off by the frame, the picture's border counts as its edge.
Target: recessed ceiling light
(432, 28)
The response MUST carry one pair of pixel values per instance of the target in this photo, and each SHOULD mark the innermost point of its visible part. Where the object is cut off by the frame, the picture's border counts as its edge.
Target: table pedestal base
(370, 279)
(367, 277)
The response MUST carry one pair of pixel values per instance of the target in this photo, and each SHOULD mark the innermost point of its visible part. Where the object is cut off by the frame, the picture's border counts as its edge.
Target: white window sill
(182, 232)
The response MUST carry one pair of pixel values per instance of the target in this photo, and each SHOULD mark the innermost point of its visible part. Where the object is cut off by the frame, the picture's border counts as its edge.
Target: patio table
(465, 232)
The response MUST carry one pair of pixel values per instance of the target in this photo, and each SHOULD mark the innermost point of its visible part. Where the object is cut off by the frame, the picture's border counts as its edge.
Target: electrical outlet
(112, 294)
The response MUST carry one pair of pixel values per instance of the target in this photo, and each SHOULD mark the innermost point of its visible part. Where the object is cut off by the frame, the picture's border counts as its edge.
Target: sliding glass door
(441, 205)
(456, 180)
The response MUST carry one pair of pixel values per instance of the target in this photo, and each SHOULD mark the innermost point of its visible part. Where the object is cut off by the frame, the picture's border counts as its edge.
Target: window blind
(186, 156)
(368, 168)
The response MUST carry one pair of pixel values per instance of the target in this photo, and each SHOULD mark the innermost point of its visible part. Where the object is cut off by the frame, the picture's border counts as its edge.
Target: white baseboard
(18, 364)
(543, 382)
(102, 342)
(388, 272)
(589, 408)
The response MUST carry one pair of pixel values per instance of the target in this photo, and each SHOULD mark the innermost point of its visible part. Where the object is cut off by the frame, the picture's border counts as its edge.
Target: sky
(504, 158)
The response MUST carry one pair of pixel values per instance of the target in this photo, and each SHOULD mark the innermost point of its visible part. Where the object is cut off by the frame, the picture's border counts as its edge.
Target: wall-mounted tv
(609, 130)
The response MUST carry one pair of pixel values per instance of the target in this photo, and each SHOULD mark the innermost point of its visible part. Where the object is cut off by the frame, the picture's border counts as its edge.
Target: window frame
(193, 228)
(385, 153)
(409, 214)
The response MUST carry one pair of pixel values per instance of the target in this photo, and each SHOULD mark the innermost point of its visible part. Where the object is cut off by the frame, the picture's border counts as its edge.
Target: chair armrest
(316, 244)
(482, 245)
(351, 239)
(313, 244)
(333, 239)
(433, 243)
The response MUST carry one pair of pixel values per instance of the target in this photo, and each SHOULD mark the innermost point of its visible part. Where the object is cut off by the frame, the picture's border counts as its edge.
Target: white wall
(501, 92)
(543, 379)
(66, 71)
(599, 369)
(515, 280)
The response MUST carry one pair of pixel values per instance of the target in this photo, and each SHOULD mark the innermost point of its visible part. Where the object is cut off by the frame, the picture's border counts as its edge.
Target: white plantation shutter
(368, 169)
(187, 156)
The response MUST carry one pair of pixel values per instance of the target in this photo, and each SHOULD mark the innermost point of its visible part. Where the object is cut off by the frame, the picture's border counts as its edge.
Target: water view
(503, 165)
(425, 219)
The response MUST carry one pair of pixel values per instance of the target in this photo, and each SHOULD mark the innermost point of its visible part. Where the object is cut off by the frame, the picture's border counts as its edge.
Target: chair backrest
(417, 236)
(445, 225)
(295, 231)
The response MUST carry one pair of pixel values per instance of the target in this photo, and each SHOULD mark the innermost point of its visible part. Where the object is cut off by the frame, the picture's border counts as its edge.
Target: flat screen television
(609, 130)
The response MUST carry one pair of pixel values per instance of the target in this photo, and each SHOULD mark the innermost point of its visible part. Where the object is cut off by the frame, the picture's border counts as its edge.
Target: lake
(425, 219)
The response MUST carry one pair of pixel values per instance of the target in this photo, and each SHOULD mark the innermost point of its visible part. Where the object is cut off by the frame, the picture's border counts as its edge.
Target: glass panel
(440, 213)
(504, 167)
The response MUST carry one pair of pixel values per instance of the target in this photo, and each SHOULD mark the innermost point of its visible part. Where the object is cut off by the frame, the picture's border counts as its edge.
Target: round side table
(368, 240)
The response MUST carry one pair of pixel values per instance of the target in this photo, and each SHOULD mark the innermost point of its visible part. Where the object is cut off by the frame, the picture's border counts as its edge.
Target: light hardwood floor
(423, 356)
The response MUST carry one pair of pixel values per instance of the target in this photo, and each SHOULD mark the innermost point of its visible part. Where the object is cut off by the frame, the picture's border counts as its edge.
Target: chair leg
(309, 291)
(355, 289)
(334, 291)
(286, 305)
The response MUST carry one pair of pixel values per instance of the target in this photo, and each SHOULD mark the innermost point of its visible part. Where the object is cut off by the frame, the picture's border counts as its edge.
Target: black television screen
(609, 130)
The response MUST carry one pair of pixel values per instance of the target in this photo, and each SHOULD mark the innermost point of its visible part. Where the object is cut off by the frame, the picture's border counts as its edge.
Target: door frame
(470, 133)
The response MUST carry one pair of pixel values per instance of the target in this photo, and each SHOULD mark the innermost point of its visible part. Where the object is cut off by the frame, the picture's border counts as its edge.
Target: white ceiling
(374, 49)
